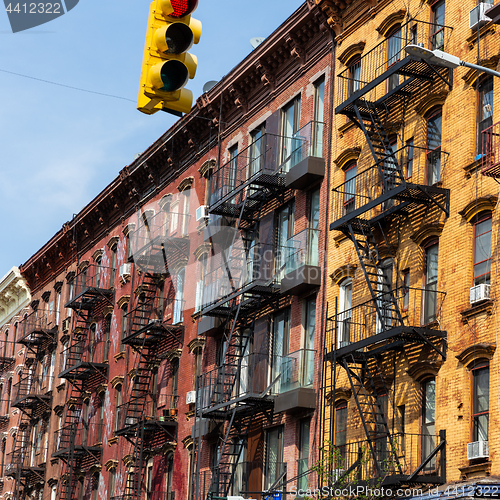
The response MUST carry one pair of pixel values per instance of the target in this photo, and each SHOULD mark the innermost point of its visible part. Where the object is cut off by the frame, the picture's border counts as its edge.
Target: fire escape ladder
(20, 453)
(371, 411)
(379, 283)
(378, 141)
(136, 479)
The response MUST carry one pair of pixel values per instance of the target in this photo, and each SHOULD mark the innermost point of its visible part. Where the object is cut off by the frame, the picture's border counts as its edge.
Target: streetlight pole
(443, 59)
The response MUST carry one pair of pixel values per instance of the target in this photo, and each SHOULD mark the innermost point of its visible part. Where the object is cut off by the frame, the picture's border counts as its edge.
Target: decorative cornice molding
(112, 242)
(343, 272)
(124, 299)
(207, 167)
(431, 101)
(346, 156)
(116, 381)
(475, 207)
(202, 250)
(390, 22)
(186, 183)
(475, 352)
(421, 369)
(196, 343)
(353, 50)
(427, 231)
(165, 201)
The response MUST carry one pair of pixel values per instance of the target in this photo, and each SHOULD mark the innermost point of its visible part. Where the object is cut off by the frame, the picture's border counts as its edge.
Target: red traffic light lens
(183, 7)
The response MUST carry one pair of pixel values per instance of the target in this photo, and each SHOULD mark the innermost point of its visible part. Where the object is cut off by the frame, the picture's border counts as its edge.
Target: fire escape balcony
(38, 328)
(295, 388)
(385, 75)
(85, 357)
(159, 414)
(243, 386)
(78, 438)
(27, 461)
(398, 459)
(245, 274)
(371, 327)
(302, 270)
(160, 241)
(490, 151)
(152, 327)
(7, 354)
(33, 393)
(388, 188)
(91, 286)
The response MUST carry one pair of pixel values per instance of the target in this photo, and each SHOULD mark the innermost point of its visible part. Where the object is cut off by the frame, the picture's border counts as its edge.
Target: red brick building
(173, 338)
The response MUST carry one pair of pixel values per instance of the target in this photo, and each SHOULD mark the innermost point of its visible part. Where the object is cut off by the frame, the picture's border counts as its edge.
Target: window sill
(119, 355)
(475, 470)
(473, 167)
(472, 312)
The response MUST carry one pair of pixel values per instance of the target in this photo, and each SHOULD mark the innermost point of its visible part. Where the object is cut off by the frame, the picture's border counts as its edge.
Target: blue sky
(60, 147)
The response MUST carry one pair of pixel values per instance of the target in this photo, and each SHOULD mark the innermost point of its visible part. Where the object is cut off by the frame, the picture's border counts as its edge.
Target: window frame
(480, 219)
(482, 364)
(432, 243)
(436, 172)
(349, 204)
(354, 67)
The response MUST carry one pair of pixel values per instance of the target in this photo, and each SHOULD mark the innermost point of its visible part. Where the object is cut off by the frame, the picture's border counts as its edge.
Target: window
(107, 337)
(281, 339)
(485, 113)
(313, 236)
(169, 474)
(434, 129)
(482, 250)
(354, 76)
(480, 401)
(112, 483)
(406, 290)
(274, 457)
(319, 109)
(112, 271)
(409, 158)
(393, 56)
(430, 283)
(58, 307)
(309, 327)
(290, 123)
(197, 364)
(118, 402)
(350, 189)
(9, 395)
(428, 419)
(402, 422)
(179, 297)
(124, 322)
(303, 461)
(257, 149)
(341, 427)
(345, 312)
(285, 221)
(174, 218)
(385, 301)
(200, 284)
(2, 465)
(233, 168)
(437, 25)
(98, 262)
(175, 381)
(92, 342)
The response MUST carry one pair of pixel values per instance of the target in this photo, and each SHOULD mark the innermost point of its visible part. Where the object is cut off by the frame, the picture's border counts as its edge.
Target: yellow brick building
(411, 371)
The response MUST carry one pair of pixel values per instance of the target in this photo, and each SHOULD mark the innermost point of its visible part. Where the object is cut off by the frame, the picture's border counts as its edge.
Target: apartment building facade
(15, 300)
(172, 336)
(410, 348)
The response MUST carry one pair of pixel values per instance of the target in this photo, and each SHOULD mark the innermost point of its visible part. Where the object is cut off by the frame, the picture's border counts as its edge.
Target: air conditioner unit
(201, 212)
(337, 475)
(477, 449)
(479, 293)
(125, 269)
(66, 324)
(190, 397)
(477, 16)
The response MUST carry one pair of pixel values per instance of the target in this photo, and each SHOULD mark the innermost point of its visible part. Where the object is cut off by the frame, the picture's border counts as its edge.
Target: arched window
(350, 187)
(354, 75)
(107, 337)
(428, 418)
(341, 427)
(482, 249)
(480, 374)
(393, 56)
(434, 132)
(429, 310)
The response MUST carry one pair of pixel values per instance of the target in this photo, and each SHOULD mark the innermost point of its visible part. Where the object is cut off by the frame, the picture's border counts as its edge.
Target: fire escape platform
(398, 336)
(150, 425)
(6, 361)
(244, 405)
(38, 336)
(79, 450)
(410, 197)
(83, 370)
(270, 180)
(32, 401)
(250, 297)
(156, 254)
(152, 333)
(416, 70)
(89, 298)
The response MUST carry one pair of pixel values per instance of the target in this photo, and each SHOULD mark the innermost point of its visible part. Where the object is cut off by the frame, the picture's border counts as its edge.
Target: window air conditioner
(190, 397)
(477, 449)
(125, 269)
(337, 475)
(477, 16)
(201, 212)
(479, 293)
(66, 324)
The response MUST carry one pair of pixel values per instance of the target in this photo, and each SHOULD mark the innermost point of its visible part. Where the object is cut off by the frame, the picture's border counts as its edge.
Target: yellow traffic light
(166, 65)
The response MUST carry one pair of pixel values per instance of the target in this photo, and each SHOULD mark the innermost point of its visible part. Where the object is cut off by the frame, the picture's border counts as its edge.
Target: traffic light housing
(166, 65)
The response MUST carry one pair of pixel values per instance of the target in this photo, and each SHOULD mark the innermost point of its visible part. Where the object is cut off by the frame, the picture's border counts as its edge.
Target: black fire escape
(78, 443)
(33, 396)
(154, 330)
(370, 208)
(243, 283)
